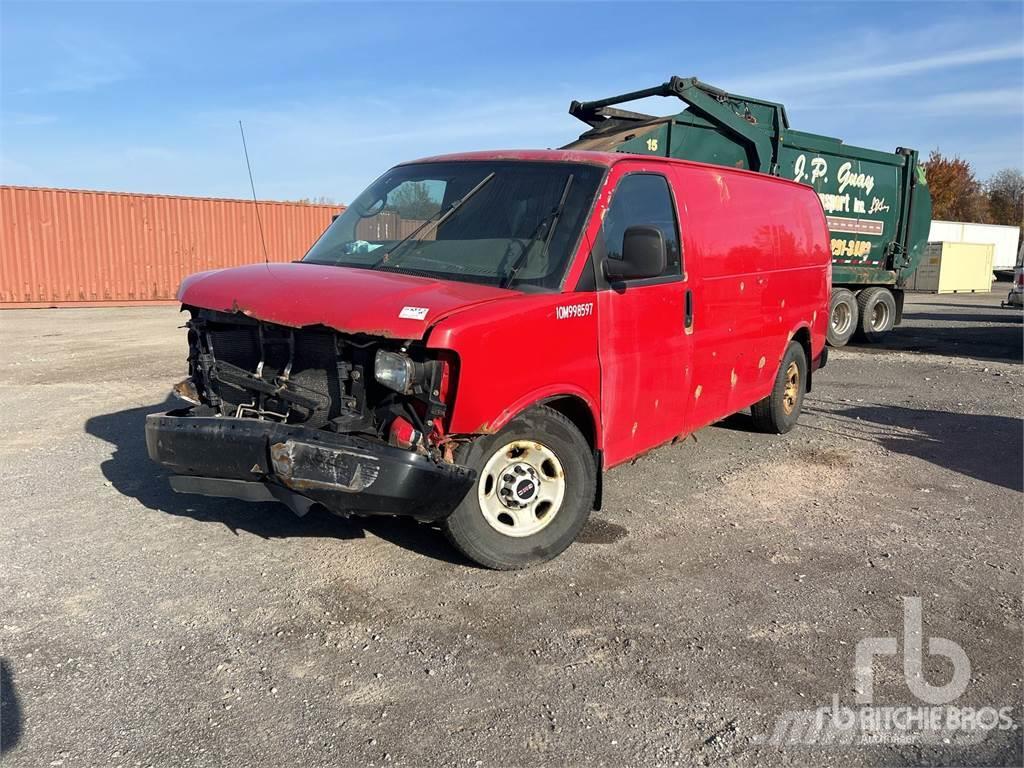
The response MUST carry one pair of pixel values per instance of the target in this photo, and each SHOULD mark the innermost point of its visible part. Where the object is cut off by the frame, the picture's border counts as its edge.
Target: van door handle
(688, 311)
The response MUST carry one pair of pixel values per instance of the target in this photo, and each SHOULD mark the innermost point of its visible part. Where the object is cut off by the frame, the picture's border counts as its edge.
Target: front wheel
(534, 492)
(779, 412)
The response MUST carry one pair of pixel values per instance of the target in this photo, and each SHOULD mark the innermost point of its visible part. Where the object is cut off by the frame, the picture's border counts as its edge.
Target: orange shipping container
(72, 247)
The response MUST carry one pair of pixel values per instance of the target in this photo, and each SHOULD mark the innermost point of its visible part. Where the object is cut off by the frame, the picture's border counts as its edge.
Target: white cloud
(334, 144)
(995, 101)
(308, 150)
(825, 75)
(27, 118)
(81, 63)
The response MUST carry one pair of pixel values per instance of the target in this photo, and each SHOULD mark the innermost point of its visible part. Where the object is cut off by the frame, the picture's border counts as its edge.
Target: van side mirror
(643, 255)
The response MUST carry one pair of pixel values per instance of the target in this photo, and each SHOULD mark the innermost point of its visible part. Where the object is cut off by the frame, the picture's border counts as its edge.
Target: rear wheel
(778, 413)
(534, 492)
(843, 317)
(877, 308)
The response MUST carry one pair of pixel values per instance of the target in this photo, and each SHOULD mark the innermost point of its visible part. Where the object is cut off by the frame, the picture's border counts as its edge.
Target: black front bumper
(264, 461)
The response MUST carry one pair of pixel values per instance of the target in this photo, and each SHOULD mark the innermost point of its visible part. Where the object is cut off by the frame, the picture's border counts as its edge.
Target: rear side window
(643, 199)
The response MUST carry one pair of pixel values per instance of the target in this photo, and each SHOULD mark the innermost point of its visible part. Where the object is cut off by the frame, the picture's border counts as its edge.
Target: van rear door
(643, 346)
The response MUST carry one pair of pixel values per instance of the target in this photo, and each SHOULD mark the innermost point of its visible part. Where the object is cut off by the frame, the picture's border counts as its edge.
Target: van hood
(349, 300)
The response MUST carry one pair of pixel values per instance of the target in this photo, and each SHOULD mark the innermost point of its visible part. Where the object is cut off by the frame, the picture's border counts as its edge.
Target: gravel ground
(725, 583)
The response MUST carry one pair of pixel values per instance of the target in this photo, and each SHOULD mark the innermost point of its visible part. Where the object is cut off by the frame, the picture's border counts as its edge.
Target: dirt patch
(826, 457)
(599, 531)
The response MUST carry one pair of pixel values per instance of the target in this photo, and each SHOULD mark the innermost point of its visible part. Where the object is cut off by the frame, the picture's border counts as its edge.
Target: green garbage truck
(876, 203)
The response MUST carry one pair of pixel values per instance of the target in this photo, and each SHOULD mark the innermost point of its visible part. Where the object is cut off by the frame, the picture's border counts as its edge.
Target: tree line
(958, 194)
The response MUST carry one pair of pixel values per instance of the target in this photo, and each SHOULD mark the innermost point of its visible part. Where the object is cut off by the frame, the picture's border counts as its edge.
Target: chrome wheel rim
(841, 318)
(792, 391)
(521, 488)
(880, 316)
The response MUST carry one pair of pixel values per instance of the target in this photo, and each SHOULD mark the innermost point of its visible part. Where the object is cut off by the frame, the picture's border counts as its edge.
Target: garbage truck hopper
(876, 203)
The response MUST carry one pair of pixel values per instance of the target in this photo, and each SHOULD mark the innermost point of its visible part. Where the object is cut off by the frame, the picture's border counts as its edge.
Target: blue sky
(146, 96)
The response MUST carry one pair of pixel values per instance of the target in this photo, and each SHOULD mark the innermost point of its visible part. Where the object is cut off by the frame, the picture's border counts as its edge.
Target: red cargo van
(480, 336)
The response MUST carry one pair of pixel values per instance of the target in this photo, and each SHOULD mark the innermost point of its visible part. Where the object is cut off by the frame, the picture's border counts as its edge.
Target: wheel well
(803, 336)
(578, 412)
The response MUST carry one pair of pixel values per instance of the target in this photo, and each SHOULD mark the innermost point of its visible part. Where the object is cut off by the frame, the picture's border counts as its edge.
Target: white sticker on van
(414, 313)
(567, 311)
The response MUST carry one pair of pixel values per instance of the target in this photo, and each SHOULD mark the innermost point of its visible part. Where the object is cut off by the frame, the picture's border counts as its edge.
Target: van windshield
(511, 223)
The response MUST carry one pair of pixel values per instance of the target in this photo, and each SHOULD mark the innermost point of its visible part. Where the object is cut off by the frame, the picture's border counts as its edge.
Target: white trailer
(1005, 239)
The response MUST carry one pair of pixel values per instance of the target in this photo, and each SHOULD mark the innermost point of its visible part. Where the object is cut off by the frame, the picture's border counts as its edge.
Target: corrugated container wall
(68, 247)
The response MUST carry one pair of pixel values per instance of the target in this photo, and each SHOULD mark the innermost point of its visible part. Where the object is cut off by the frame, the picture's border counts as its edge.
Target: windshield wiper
(435, 221)
(551, 221)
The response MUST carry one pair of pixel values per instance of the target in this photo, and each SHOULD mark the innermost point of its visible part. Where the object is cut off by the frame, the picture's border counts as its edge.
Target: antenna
(252, 185)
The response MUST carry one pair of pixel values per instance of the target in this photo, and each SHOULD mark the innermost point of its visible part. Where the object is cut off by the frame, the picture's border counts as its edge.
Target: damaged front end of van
(309, 416)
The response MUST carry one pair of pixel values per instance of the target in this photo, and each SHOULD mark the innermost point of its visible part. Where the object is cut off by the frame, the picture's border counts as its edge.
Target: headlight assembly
(394, 371)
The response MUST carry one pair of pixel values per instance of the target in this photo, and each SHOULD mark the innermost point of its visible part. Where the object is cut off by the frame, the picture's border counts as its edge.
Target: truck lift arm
(730, 112)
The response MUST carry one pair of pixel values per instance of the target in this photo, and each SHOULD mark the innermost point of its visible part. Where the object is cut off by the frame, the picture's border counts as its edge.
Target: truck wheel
(843, 316)
(777, 413)
(877, 313)
(534, 492)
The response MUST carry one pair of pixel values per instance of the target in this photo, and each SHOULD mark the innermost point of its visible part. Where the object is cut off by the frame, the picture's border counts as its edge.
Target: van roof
(590, 157)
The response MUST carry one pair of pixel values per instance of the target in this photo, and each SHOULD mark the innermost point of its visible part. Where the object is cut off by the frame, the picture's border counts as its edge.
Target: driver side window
(643, 199)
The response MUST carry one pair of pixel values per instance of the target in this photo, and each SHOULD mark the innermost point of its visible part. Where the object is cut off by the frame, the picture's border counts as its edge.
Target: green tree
(957, 195)
(1005, 190)
(412, 200)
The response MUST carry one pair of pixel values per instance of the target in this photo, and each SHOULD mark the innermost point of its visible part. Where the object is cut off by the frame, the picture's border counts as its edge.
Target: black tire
(843, 317)
(469, 529)
(778, 413)
(877, 307)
